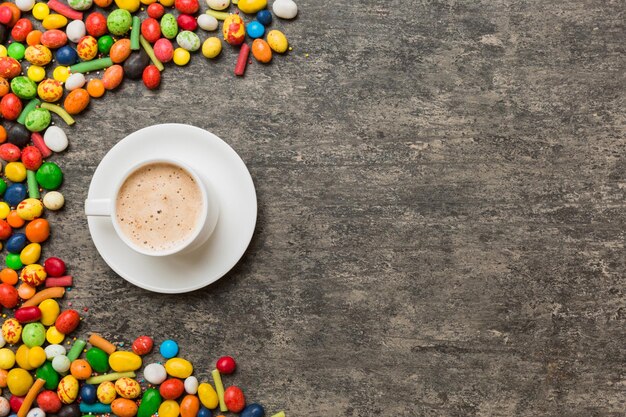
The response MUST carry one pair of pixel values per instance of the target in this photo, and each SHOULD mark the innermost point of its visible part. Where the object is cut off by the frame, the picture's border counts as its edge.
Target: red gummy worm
(65, 10)
(240, 68)
(64, 281)
(40, 144)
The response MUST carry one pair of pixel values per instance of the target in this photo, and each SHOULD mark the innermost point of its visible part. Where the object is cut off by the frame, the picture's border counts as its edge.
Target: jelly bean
(54, 336)
(151, 29)
(25, 5)
(5, 232)
(181, 56)
(96, 24)
(5, 210)
(21, 29)
(150, 402)
(15, 171)
(261, 51)
(191, 385)
(123, 407)
(105, 43)
(26, 291)
(34, 334)
(130, 5)
(47, 373)
(163, 50)
(38, 230)
(38, 55)
(18, 135)
(255, 29)
(49, 312)
(226, 365)
(234, 31)
(70, 410)
(206, 22)
(169, 26)
(253, 410)
(53, 39)
(9, 67)
(103, 3)
(211, 47)
(19, 381)
(61, 364)
(87, 48)
(54, 267)
(76, 101)
(32, 158)
(187, 6)
(80, 369)
(49, 176)
(15, 401)
(106, 392)
(7, 358)
(264, 17)
(4, 87)
(277, 41)
(37, 120)
(172, 388)
(12, 261)
(120, 51)
(10, 106)
(285, 9)
(67, 322)
(75, 30)
(67, 389)
(55, 138)
(50, 90)
(21, 357)
(36, 357)
(28, 314)
(204, 412)
(169, 408)
(208, 396)
(54, 21)
(53, 351)
(135, 64)
(95, 88)
(187, 22)
(40, 11)
(168, 349)
(80, 4)
(188, 40)
(66, 55)
(121, 361)
(75, 81)
(17, 242)
(127, 388)
(113, 77)
(49, 401)
(119, 22)
(179, 368)
(218, 4)
(234, 399)
(155, 373)
(189, 406)
(251, 6)
(29, 208)
(34, 38)
(142, 345)
(30, 254)
(98, 359)
(53, 200)
(33, 274)
(155, 10)
(88, 394)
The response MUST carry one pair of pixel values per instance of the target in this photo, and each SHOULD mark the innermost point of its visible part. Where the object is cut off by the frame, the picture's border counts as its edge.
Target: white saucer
(212, 159)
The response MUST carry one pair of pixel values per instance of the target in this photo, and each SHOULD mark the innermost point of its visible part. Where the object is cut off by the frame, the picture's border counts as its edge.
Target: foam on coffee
(158, 206)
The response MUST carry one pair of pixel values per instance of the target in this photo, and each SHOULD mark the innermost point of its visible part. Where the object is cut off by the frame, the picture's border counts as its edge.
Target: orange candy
(14, 220)
(4, 87)
(103, 3)
(38, 230)
(3, 134)
(33, 38)
(3, 378)
(261, 51)
(8, 276)
(76, 101)
(80, 369)
(95, 88)
(26, 291)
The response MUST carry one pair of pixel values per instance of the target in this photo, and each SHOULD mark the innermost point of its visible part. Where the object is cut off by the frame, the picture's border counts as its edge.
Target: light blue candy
(255, 29)
(168, 349)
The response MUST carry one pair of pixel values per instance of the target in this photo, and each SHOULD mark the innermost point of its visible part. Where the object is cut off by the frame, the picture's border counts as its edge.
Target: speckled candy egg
(34, 334)
(188, 40)
(80, 4)
(9, 67)
(53, 38)
(76, 101)
(50, 90)
(169, 26)
(87, 48)
(119, 22)
(127, 388)
(37, 120)
(163, 50)
(68, 389)
(234, 31)
(38, 55)
(277, 41)
(218, 4)
(33, 274)
(75, 30)
(106, 392)
(11, 331)
(5, 407)
(123, 407)
(23, 87)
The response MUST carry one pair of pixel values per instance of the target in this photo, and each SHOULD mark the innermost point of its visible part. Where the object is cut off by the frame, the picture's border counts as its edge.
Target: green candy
(3, 186)
(150, 402)
(169, 26)
(80, 4)
(105, 43)
(49, 176)
(13, 261)
(188, 40)
(98, 359)
(48, 374)
(37, 120)
(119, 22)
(34, 334)
(23, 87)
(16, 50)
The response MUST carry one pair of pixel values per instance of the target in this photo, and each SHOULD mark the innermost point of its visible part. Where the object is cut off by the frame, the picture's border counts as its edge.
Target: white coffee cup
(209, 211)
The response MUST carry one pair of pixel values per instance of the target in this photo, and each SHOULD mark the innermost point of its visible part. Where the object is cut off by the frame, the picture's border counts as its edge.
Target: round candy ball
(188, 40)
(61, 363)
(155, 373)
(75, 30)
(264, 17)
(5, 407)
(25, 5)
(38, 119)
(34, 334)
(53, 200)
(16, 50)
(253, 410)
(105, 43)
(66, 55)
(88, 394)
(163, 50)
(49, 176)
(168, 349)
(255, 29)
(14, 194)
(226, 365)
(119, 22)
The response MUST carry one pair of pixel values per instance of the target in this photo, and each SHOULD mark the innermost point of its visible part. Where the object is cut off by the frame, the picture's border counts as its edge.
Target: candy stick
(45, 294)
(148, 48)
(27, 109)
(240, 68)
(59, 111)
(134, 34)
(76, 349)
(280, 414)
(64, 281)
(40, 144)
(94, 65)
(218, 15)
(33, 187)
(97, 408)
(30, 397)
(100, 342)
(65, 10)
(219, 387)
(113, 376)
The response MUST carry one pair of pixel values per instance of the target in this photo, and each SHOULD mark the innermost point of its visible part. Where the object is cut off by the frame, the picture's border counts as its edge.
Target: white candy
(52, 351)
(53, 200)
(5, 407)
(36, 412)
(285, 9)
(61, 363)
(55, 139)
(155, 373)
(191, 385)
(75, 30)
(75, 81)
(25, 5)
(218, 4)
(206, 22)
(2, 341)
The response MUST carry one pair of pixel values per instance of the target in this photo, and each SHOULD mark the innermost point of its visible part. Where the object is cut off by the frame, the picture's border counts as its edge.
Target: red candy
(53, 38)
(40, 144)
(151, 29)
(8, 151)
(226, 365)
(16, 403)
(8, 295)
(54, 267)
(6, 15)
(9, 67)
(163, 50)
(49, 401)
(10, 106)
(67, 321)
(96, 24)
(32, 158)
(5, 230)
(151, 77)
(28, 314)
(242, 59)
(155, 11)
(187, 6)
(143, 345)
(171, 389)
(187, 22)
(64, 281)
(21, 29)
(234, 399)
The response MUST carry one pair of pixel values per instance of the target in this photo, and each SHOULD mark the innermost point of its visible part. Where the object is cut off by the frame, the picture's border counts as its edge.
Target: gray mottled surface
(441, 212)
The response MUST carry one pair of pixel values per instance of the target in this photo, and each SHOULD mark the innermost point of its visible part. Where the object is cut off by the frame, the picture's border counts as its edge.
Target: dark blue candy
(265, 17)
(253, 410)
(16, 242)
(15, 194)
(204, 412)
(66, 55)
(88, 394)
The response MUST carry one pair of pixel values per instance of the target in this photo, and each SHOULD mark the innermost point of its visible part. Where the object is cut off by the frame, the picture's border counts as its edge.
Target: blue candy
(15, 194)
(168, 349)
(265, 17)
(88, 394)
(253, 410)
(255, 30)
(16, 242)
(66, 55)
(204, 412)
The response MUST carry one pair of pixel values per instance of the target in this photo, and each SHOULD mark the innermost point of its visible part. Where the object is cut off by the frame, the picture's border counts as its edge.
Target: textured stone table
(441, 212)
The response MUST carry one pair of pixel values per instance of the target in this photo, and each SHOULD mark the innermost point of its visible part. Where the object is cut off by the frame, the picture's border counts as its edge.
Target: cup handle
(98, 207)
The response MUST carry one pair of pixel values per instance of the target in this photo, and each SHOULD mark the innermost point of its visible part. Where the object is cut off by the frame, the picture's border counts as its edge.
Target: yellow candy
(208, 396)
(127, 388)
(106, 392)
(22, 356)
(11, 331)
(50, 90)
(181, 56)
(54, 21)
(130, 5)
(277, 41)
(35, 72)
(234, 30)
(53, 336)
(4, 210)
(169, 408)
(36, 356)
(121, 361)
(7, 358)
(30, 254)
(179, 368)
(15, 171)
(38, 55)
(40, 11)
(61, 73)
(68, 389)
(148, 2)
(3, 51)
(211, 47)
(251, 6)
(49, 312)
(167, 3)
(19, 381)
(30, 208)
